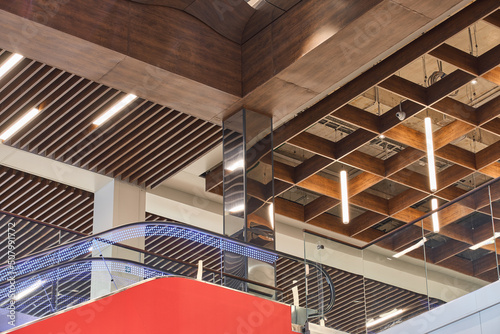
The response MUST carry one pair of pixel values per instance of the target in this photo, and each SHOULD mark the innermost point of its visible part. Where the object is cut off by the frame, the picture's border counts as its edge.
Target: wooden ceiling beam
(458, 156)
(364, 221)
(405, 199)
(357, 117)
(385, 69)
(311, 166)
(488, 155)
(402, 160)
(489, 60)
(456, 57)
(488, 111)
(447, 85)
(407, 136)
(405, 88)
(371, 202)
(494, 18)
(450, 132)
(492, 170)
(447, 250)
(319, 206)
(492, 126)
(456, 109)
(315, 144)
(389, 119)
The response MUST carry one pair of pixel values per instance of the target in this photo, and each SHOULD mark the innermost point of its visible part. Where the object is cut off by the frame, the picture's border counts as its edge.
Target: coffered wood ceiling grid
(145, 144)
(388, 186)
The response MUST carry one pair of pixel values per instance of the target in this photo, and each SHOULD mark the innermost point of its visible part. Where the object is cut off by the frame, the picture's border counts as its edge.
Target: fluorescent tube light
(485, 242)
(237, 208)
(430, 154)
(409, 249)
(344, 197)
(114, 109)
(435, 219)
(235, 165)
(28, 290)
(384, 317)
(19, 124)
(10, 63)
(271, 214)
(431, 163)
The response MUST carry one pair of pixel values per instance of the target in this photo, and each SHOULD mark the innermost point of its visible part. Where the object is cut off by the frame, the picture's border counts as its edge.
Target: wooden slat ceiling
(44, 200)
(144, 144)
(386, 157)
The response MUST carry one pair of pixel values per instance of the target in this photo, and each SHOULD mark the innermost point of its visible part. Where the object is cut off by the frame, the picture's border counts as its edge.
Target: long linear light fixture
(384, 317)
(10, 63)
(115, 108)
(431, 162)
(411, 248)
(344, 197)
(486, 242)
(19, 124)
(435, 218)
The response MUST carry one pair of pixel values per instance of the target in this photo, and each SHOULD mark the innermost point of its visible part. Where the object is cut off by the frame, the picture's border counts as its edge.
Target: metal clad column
(248, 196)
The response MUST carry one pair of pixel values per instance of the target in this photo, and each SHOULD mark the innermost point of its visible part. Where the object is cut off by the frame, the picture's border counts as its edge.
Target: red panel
(171, 305)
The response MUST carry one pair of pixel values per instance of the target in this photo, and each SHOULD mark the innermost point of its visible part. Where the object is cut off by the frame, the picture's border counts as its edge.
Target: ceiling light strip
(10, 63)
(431, 162)
(409, 249)
(435, 218)
(345, 198)
(485, 242)
(19, 124)
(115, 108)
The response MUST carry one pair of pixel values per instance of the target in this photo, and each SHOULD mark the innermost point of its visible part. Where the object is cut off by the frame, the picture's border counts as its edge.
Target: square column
(115, 204)
(248, 195)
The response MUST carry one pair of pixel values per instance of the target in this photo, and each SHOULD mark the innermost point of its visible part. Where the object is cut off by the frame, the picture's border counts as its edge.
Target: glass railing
(443, 255)
(79, 268)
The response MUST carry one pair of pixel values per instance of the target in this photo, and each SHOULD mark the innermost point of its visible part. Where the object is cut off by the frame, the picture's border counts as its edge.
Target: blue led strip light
(83, 249)
(77, 270)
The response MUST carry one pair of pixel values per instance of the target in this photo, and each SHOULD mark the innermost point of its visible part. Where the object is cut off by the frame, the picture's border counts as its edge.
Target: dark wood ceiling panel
(44, 200)
(145, 143)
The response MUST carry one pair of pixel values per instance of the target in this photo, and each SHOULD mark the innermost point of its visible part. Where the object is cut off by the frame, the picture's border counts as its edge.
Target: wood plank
(283, 172)
(458, 264)
(321, 185)
(331, 223)
(492, 170)
(485, 263)
(405, 199)
(494, 18)
(370, 202)
(493, 75)
(456, 109)
(352, 142)
(358, 117)
(488, 111)
(319, 206)
(364, 162)
(451, 175)
(389, 120)
(450, 132)
(492, 126)
(488, 155)
(457, 155)
(456, 57)
(411, 179)
(447, 250)
(447, 85)
(405, 88)
(362, 182)
(402, 159)
(289, 209)
(315, 144)
(489, 60)
(407, 136)
(311, 166)
(364, 222)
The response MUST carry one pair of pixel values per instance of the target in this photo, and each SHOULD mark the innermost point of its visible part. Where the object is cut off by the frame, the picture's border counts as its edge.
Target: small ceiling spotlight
(474, 81)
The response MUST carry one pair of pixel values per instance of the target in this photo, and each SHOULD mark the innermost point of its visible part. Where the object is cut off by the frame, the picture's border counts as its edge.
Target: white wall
(475, 313)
